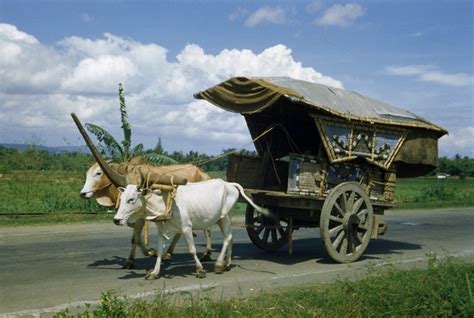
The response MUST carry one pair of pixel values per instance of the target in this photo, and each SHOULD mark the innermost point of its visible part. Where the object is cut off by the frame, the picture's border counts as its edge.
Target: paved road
(48, 268)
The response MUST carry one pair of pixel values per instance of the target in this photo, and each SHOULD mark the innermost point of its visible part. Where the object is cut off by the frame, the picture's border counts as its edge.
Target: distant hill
(51, 150)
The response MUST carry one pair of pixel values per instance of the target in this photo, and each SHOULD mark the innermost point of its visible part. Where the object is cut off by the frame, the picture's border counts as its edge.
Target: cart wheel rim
(265, 233)
(346, 222)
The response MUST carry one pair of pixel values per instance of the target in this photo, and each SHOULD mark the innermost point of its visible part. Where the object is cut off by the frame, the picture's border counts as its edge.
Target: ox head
(98, 185)
(134, 204)
(95, 180)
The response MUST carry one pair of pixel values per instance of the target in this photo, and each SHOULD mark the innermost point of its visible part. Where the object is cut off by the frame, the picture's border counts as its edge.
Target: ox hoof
(166, 257)
(128, 265)
(201, 273)
(151, 276)
(206, 258)
(152, 252)
(219, 269)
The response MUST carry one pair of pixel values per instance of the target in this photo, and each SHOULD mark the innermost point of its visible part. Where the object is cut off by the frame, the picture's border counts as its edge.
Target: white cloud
(95, 75)
(274, 15)
(430, 73)
(460, 141)
(341, 15)
(238, 14)
(86, 18)
(42, 84)
(314, 6)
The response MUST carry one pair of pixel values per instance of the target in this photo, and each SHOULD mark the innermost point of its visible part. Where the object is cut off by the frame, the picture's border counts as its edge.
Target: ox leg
(207, 254)
(188, 235)
(169, 253)
(138, 228)
(161, 247)
(225, 226)
(137, 240)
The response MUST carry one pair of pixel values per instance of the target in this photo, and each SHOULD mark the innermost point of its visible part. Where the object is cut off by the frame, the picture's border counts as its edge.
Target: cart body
(327, 158)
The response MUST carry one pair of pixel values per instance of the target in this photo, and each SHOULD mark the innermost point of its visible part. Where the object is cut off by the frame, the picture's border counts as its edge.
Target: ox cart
(327, 158)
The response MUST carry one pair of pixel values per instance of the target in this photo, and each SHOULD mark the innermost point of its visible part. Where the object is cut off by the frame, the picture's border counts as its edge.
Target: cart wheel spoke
(282, 232)
(265, 233)
(346, 222)
(362, 213)
(274, 235)
(338, 240)
(344, 246)
(339, 209)
(357, 205)
(350, 201)
(335, 219)
(335, 230)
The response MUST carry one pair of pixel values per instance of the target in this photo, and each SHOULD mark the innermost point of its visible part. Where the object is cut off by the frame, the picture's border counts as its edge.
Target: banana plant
(122, 151)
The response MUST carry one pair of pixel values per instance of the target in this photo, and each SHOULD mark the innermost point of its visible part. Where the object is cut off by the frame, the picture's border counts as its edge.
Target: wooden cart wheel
(265, 233)
(346, 222)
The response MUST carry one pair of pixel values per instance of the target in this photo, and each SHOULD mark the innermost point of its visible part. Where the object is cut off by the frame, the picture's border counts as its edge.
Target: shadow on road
(304, 249)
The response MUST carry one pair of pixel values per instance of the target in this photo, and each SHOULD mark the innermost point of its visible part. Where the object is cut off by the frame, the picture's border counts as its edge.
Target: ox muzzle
(86, 195)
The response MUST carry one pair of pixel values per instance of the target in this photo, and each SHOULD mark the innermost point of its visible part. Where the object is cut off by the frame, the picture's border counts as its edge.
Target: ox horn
(117, 179)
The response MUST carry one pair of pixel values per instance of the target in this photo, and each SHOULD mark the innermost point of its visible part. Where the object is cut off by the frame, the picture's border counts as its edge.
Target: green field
(444, 289)
(434, 193)
(36, 197)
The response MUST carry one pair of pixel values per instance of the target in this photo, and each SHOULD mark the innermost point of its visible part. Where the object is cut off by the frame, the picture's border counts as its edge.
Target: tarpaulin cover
(257, 98)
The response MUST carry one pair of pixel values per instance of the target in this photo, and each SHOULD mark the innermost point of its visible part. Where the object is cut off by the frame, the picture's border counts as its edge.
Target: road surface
(48, 268)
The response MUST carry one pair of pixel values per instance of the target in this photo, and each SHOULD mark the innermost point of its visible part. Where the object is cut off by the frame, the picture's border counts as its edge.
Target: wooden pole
(145, 233)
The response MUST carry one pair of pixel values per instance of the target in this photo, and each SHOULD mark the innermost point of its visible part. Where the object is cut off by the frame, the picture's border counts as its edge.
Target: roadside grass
(434, 193)
(444, 289)
(43, 197)
(47, 197)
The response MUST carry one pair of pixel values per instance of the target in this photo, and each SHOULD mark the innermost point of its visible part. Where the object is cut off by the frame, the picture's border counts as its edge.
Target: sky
(58, 57)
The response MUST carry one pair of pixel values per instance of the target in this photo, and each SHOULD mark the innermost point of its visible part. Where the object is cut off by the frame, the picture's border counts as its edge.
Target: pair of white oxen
(197, 205)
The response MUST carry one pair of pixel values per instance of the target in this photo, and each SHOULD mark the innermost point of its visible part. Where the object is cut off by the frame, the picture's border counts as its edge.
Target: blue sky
(416, 55)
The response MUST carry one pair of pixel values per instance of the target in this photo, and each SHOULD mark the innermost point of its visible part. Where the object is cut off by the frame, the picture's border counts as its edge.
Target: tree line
(12, 159)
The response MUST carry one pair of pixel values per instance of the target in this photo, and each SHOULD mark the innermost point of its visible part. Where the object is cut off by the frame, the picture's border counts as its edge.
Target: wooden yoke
(163, 187)
(166, 183)
(162, 179)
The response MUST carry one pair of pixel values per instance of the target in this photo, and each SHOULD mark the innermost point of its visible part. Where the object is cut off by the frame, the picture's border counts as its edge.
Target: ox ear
(121, 189)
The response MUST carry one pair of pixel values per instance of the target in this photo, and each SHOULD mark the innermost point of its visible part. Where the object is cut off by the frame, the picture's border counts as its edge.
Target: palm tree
(121, 152)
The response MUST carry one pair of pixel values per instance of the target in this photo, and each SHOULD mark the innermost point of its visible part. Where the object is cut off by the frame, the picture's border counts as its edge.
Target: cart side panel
(257, 173)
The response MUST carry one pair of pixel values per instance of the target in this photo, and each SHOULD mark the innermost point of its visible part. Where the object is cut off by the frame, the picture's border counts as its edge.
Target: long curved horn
(117, 179)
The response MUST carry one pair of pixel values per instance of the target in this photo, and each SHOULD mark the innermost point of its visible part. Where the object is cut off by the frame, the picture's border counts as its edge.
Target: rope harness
(170, 198)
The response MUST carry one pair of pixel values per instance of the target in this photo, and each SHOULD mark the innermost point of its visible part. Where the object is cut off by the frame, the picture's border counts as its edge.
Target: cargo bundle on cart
(327, 158)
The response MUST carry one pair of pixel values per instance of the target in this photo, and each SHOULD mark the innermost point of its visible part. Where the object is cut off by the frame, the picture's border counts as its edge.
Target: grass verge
(444, 289)
(46, 197)
(422, 193)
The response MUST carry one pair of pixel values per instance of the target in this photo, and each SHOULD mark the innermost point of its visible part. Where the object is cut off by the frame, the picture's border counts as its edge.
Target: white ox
(99, 187)
(197, 206)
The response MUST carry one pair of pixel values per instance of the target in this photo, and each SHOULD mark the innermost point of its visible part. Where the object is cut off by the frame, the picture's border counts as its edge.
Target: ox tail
(260, 209)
